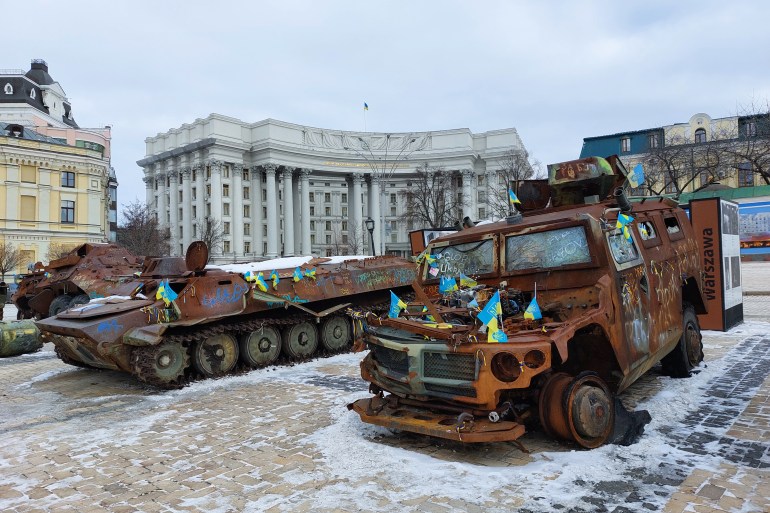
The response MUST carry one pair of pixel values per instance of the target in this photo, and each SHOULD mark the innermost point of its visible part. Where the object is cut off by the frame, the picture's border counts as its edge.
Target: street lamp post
(370, 227)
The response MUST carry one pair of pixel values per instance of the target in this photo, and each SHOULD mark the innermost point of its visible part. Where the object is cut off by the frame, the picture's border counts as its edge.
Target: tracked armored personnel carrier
(87, 272)
(567, 304)
(207, 321)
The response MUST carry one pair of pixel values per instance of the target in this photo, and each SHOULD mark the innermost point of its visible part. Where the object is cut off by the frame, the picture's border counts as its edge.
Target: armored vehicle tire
(300, 340)
(335, 333)
(215, 355)
(581, 409)
(163, 365)
(70, 361)
(80, 299)
(688, 352)
(260, 347)
(59, 304)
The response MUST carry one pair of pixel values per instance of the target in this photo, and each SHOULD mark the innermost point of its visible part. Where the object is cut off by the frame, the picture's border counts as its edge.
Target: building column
(492, 208)
(305, 202)
(200, 196)
(374, 212)
(161, 177)
(355, 213)
(216, 195)
(149, 188)
(469, 201)
(288, 212)
(187, 207)
(173, 196)
(297, 218)
(272, 211)
(256, 211)
(237, 214)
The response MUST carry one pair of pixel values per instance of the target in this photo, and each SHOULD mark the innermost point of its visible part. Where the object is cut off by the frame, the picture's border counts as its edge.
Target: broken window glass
(554, 248)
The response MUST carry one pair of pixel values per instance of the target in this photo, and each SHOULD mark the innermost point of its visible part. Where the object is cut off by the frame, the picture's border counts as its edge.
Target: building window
(226, 191)
(264, 212)
(194, 175)
(312, 197)
(208, 209)
(328, 226)
(245, 177)
(225, 171)
(329, 240)
(245, 193)
(208, 190)
(28, 208)
(208, 172)
(67, 211)
(482, 196)
(8, 88)
(312, 238)
(226, 246)
(67, 179)
(247, 229)
(33, 94)
(344, 197)
(195, 212)
(225, 209)
(246, 247)
(392, 199)
(264, 194)
(392, 211)
(751, 129)
(745, 175)
(194, 193)
(327, 197)
(344, 226)
(700, 135)
(652, 141)
(246, 211)
(328, 211)
(28, 173)
(670, 188)
(226, 228)
(312, 211)
(344, 211)
(625, 144)
(704, 178)
(312, 226)
(480, 180)
(180, 196)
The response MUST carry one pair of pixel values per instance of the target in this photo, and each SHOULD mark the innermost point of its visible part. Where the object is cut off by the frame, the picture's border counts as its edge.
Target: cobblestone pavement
(280, 439)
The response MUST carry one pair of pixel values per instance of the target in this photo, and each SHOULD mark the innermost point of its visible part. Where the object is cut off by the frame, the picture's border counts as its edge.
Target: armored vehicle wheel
(688, 352)
(80, 299)
(260, 347)
(163, 365)
(59, 304)
(300, 340)
(335, 333)
(216, 355)
(70, 361)
(581, 409)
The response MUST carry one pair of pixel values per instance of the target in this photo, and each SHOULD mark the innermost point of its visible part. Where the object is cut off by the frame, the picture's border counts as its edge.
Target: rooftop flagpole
(366, 108)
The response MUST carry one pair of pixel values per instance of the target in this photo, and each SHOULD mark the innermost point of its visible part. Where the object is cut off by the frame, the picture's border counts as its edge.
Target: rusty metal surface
(612, 306)
(206, 317)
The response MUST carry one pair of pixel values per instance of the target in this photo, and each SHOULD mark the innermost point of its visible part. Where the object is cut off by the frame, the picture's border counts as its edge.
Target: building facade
(280, 189)
(57, 187)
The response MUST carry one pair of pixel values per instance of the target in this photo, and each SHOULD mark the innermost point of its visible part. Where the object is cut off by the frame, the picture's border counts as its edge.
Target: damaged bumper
(464, 427)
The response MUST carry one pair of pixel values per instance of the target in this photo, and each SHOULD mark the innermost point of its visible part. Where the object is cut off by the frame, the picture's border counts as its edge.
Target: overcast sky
(555, 71)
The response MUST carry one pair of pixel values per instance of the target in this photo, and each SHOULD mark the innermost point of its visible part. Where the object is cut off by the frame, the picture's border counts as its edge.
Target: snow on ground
(282, 263)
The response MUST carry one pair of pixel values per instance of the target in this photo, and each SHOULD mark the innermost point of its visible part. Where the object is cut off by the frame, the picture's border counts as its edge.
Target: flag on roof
(366, 106)
(396, 305)
(491, 316)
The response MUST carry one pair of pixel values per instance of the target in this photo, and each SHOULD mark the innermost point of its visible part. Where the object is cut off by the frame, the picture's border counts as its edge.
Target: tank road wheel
(216, 355)
(300, 340)
(688, 352)
(580, 409)
(260, 347)
(59, 304)
(335, 333)
(163, 365)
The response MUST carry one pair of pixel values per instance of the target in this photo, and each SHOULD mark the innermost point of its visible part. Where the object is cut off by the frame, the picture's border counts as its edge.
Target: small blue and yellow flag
(512, 198)
(165, 292)
(447, 285)
(636, 177)
(465, 281)
(260, 281)
(250, 276)
(310, 273)
(297, 274)
(473, 303)
(429, 316)
(396, 305)
(491, 316)
(366, 106)
(533, 310)
(275, 278)
(623, 222)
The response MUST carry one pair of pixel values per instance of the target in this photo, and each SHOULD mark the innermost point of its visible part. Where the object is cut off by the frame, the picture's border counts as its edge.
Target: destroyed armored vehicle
(206, 321)
(87, 272)
(541, 318)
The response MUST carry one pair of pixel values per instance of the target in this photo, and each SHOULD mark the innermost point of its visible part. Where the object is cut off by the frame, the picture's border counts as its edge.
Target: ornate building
(280, 189)
(57, 189)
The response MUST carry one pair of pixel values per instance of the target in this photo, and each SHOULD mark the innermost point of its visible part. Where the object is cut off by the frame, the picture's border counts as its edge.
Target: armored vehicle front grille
(396, 362)
(449, 366)
(441, 389)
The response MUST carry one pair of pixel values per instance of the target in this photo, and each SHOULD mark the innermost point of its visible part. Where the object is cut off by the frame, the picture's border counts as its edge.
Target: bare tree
(750, 140)
(339, 239)
(58, 250)
(514, 166)
(10, 258)
(141, 234)
(429, 201)
(355, 244)
(210, 231)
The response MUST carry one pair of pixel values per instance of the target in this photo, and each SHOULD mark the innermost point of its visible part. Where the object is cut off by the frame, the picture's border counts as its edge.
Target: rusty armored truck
(207, 321)
(566, 305)
(89, 271)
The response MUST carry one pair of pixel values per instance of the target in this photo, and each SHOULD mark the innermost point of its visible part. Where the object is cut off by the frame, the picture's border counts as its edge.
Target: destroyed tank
(87, 272)
(210, 321)
(542, 318)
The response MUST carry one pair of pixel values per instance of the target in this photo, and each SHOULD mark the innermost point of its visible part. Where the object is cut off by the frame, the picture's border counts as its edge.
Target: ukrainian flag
(428, 316)
(512, 198)
(250, 276)
(636, 177)
(491, 316)
(396, 305)
(165, 292)
(366, 106)
(297, 274)
(310, 273)
(447, 285)
(261, 283)
(275, 278)
(533, 310)
(622, 223)
(466, 281)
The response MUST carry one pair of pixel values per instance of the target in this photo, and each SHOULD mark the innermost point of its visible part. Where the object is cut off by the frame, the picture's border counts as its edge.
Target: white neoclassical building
(281, 189)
